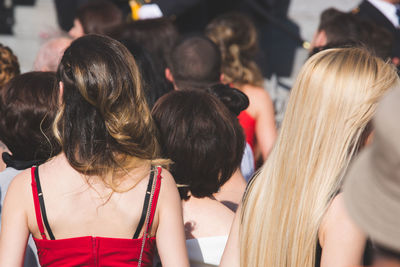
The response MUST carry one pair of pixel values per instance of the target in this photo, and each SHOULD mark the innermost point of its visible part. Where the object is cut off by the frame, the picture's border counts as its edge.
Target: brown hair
(203, 139)
(206, 71)
(236, 36)
(99, 16)
(28, 104)
(104, 125)
(9, 66)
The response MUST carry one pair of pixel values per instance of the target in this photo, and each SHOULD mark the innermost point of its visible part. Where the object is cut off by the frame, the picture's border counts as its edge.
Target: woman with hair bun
(293, 213)
(236, 37)
(206, 142)
(105, 200)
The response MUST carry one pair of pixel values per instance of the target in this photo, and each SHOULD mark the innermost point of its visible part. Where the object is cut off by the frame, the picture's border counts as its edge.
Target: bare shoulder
(169, 190)
(19, 193)
(168, 182)
(260, 101)
(336, 211)
(256, 92)
(21, 184)
(333, 218)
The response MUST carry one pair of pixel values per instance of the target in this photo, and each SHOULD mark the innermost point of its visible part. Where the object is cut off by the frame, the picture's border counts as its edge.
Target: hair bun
(235, 100)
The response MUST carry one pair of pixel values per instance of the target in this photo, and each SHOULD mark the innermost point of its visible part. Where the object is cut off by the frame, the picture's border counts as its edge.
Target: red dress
(248, 124)
(97, 251)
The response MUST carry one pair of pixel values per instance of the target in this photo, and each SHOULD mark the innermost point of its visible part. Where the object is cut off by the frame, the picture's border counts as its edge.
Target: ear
(320, 39)
(168, 75)
(60, 92)
(221, 78)
(369, 139)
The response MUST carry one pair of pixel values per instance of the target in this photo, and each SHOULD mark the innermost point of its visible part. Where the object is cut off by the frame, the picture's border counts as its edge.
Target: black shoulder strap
(145, 204)
(41, 202)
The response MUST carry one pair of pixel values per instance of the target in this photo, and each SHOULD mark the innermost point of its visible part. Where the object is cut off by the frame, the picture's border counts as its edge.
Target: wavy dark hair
(28, 104)
(9, 65)
(104, 124)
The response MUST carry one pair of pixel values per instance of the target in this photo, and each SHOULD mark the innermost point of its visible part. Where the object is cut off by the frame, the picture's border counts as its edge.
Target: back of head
(340, 26)
(343, 28)
(157, 36)
(104, 125)
(153, 82)
(195, 62)
(28, 104)
(330, 106)
(50, 54)
(236, 37)
(203, 139)
(9, 65)
(99, 16)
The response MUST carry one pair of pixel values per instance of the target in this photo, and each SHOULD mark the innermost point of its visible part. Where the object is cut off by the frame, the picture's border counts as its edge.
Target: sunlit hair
(236, 36)
(9, 65)
(104, 125)
(331, 103)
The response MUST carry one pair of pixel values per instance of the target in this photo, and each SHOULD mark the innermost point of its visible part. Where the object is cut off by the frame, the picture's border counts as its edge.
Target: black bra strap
(145, 204)
(41, 202)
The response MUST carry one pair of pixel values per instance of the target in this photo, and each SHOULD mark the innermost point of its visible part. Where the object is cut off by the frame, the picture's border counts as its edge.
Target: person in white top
(206, 142)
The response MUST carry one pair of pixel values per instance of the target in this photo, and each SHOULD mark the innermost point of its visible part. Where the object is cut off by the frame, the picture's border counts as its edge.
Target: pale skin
(261, 109)
(3, 149)
(231, 193)
(199, 212)
(77, 30)
(65, 189)
(341, 240)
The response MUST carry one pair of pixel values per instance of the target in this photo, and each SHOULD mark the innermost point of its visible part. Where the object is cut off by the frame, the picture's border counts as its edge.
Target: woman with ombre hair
(236, 37)
(292, 213)
(105, 200)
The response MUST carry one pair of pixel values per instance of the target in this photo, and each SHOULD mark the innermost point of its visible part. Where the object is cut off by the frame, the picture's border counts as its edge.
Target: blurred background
(35, 21)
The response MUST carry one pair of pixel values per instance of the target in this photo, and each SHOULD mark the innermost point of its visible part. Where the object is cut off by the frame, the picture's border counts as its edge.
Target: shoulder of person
(337, 221)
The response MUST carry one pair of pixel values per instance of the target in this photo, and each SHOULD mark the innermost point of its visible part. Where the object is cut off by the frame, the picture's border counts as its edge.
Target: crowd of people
(131, 144)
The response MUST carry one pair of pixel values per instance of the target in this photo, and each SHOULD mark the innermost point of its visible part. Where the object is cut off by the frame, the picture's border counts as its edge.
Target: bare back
(76, 208)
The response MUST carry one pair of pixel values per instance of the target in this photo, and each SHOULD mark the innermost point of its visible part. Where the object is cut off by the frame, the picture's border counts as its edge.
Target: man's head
(340, 29)
(195, 62)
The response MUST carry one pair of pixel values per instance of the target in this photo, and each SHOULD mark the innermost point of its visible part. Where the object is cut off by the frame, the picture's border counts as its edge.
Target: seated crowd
(131, 145)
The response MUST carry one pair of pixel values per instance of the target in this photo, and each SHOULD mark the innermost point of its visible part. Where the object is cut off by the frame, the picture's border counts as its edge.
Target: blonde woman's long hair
(331, 103)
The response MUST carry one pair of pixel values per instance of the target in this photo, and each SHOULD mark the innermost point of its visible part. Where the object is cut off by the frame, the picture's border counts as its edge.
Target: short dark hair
(340, 26)
(28, 104)
(203, 139)
(195, 62)
(153, 82)
(343, 29)
(99, 16)
(157, 36)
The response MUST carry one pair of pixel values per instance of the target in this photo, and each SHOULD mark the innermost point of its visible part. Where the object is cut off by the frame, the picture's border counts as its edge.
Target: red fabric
(95, 251)
(249, 126)
(36, 203)
(155, 199)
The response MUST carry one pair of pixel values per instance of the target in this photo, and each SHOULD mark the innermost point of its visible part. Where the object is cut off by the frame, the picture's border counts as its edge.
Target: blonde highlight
(104, 124)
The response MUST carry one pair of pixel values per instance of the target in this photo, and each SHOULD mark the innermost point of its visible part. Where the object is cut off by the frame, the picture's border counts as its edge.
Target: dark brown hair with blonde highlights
(9, 65)
(104, 125)
(236, 37)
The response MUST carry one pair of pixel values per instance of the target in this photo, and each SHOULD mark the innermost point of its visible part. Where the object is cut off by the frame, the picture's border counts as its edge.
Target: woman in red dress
(105, 200)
